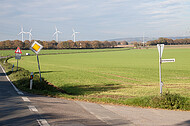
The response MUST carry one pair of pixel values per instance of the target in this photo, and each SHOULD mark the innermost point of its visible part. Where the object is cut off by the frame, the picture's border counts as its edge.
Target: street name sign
(167, 60)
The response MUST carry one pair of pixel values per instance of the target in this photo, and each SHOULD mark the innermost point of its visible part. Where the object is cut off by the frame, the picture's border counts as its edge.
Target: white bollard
(31, 80)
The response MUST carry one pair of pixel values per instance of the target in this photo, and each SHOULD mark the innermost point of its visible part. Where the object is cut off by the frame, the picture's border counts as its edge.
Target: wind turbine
(74, 34)
(56, 33)
(30, 35)
(22, 32)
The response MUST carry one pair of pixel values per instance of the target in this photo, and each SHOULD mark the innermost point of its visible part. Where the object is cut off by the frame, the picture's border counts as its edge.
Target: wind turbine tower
(30, 35)
(74, 35)
(143, 39)
(22, 32)
(56, 33)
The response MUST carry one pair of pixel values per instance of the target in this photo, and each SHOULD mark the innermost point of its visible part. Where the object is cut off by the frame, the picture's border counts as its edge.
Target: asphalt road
(13, 110)
(17, 108)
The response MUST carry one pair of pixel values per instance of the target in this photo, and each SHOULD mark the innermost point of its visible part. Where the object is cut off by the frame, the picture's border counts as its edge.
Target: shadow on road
(185, 123)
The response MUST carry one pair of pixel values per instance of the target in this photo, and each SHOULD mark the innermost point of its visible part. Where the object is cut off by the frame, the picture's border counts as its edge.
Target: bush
(170, 101)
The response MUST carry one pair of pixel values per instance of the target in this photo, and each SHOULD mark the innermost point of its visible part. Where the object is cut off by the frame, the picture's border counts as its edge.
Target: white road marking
(32, 108)
(16, 89)
(25, 99)
(42, 122)
(19, 92)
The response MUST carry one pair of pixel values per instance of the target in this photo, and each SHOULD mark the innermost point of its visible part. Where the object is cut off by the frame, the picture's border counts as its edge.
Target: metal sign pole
(17, 65)
(160, 61)
(39, 67)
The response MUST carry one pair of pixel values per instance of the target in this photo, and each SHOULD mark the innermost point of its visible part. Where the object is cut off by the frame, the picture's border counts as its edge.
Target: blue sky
(94, 19)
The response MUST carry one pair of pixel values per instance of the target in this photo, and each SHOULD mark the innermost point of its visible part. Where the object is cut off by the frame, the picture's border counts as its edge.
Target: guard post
(12, 67)
(31, 80)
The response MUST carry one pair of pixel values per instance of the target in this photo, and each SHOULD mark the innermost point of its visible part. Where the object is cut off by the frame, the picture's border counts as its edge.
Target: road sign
(167, 60)
(17, 56)
(18, 51)
(36, 47)
(160, 49)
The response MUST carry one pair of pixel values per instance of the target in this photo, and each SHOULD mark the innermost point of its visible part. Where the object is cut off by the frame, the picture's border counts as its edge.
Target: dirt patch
(110, 96)
(183, 78)
(147, 85)
(115, 80)
(122, 77)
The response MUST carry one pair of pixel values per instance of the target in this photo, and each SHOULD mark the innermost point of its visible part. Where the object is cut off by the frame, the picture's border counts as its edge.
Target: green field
(53, 51)
(114, 74)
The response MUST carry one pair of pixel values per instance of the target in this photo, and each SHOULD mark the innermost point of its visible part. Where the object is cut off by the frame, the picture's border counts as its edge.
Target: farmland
(114, 74)
(54, 51)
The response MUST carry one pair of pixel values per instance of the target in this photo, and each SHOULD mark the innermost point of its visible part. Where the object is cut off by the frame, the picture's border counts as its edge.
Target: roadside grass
(122, 77)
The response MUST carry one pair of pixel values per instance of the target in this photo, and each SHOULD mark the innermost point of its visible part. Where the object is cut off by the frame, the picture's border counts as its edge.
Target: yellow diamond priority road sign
(36, 47)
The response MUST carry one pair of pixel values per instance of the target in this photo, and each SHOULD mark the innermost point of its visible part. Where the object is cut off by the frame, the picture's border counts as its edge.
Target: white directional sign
(160, 49)
(167, 60)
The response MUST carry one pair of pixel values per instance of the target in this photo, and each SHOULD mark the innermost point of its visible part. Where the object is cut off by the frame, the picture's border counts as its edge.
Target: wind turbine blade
(54, 34)
(77, 32)
(19, 33)
(55, 28)
(30, 30)
(73, 31)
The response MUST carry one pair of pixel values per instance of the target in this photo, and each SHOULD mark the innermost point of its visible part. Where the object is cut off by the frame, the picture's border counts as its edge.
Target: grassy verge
(21, 79)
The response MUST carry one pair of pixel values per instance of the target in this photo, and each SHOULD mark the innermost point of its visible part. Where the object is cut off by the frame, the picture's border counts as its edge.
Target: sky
(94, 19)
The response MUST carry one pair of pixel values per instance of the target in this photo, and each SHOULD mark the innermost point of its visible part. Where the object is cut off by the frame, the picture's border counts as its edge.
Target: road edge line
(16, 89)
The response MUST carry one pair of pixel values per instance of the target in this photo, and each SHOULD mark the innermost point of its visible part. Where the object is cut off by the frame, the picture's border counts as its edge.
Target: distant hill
(140, 39)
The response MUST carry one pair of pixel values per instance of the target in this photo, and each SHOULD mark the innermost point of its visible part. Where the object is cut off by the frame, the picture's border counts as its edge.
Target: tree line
(168, 41)
(13, 44)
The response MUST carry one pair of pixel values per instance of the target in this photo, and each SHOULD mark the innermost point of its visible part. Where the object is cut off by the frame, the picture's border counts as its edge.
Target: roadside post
(18, 55)
(12, 67)
(160, 51)
(31, 80)
(36, 47)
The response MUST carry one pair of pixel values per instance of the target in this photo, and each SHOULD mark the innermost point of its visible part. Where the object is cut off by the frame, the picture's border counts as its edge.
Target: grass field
(114, 74)
(53, 51)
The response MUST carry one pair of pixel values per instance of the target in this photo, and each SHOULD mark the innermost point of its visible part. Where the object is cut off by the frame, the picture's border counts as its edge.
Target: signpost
(160, 51)
(36, 47)
(18, 55)
(168, 60)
